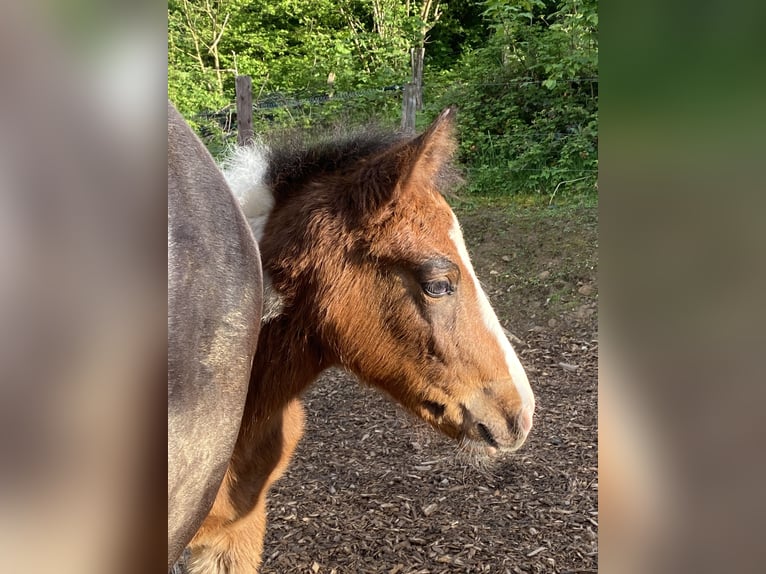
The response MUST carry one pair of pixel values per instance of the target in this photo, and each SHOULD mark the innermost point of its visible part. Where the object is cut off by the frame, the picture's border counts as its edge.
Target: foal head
(372, 271)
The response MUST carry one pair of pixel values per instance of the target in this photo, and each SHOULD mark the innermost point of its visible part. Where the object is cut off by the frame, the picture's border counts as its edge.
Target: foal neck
(288, 359)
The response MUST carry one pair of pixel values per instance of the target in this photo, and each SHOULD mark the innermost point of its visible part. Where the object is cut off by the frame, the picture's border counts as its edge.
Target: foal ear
(431, 150)
(409, 164)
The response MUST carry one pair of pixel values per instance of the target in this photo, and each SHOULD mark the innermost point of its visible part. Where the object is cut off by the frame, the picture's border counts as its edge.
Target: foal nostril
(486, 435)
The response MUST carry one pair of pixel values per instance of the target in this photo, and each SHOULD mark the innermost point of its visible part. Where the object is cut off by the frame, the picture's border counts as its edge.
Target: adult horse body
(214, 316)
(365, 267)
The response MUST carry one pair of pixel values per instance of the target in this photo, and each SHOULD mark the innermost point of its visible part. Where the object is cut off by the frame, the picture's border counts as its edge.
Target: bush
(528, 100)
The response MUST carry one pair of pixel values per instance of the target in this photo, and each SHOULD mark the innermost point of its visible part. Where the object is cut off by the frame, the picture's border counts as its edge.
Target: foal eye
(438, 288)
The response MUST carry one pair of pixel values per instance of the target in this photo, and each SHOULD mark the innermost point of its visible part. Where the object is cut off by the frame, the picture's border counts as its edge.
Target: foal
(368, 270)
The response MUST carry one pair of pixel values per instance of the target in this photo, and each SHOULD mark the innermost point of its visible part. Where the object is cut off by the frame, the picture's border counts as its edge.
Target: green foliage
(528, 99)
(522, 73)
(289, 46)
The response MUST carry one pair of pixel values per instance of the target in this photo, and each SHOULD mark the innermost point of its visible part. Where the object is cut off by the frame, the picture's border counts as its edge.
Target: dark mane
(295, 159)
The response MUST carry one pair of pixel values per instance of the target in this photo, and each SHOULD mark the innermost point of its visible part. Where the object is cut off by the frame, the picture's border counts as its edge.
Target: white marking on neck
(515, 370)
(245, 172)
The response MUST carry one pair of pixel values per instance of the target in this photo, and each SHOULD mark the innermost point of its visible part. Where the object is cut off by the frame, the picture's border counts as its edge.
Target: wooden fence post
(416, 57)
(244, 90)
(409, 103)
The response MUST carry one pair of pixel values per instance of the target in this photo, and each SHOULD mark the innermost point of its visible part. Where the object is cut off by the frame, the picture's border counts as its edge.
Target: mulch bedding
(373, 490)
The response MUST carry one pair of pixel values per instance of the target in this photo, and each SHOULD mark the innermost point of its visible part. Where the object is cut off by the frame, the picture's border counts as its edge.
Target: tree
(196, 29)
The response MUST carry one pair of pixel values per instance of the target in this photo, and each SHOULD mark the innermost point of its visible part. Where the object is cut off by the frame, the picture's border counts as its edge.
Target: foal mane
(284, 163)
(295, 160)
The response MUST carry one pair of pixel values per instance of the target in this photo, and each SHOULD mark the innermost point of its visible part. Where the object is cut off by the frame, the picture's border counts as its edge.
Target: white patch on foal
(515, 370)
(245, 172)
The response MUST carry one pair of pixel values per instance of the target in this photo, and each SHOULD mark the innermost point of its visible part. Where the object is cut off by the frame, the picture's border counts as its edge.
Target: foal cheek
(466, 356)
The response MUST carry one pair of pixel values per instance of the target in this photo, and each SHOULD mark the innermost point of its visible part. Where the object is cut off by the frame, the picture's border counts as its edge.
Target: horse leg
(230, 540)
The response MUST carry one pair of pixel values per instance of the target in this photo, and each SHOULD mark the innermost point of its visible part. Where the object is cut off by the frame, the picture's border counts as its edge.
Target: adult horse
(366, 269)
(214, 316)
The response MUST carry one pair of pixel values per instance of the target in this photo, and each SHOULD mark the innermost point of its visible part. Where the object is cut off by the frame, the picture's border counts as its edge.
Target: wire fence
(266, 107)
(277, 100)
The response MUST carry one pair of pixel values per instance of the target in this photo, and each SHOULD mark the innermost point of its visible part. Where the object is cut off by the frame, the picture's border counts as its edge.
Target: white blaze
(515, 370)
